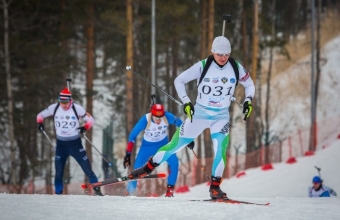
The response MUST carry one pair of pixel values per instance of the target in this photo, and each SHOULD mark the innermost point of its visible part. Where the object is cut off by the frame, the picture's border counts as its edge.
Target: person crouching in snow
(320, 190)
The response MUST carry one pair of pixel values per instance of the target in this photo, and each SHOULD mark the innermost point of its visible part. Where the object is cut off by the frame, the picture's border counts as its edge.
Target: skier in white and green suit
(217, 77)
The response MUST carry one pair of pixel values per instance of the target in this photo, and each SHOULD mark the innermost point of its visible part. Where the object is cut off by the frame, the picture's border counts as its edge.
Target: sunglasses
(223, 55)
(64, 100)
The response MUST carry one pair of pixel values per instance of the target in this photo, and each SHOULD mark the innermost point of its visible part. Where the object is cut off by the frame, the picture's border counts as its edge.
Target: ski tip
(161, 175)
(83, 186)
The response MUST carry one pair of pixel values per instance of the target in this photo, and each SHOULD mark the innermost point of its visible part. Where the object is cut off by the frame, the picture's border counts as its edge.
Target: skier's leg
(220, 148)
(78, 152)
(173, 164)
(186, 133)
(173, 173)
(61, 155)
(220, 138)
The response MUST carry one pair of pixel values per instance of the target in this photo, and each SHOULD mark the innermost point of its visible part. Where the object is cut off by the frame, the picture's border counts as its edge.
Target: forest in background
(92, 42)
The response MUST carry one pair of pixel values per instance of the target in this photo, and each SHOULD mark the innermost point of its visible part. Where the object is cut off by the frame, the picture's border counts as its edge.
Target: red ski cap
(65, 95)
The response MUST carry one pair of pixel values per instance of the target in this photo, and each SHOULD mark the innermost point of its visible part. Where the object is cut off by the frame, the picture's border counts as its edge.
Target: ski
(230, 201)
(120, 179)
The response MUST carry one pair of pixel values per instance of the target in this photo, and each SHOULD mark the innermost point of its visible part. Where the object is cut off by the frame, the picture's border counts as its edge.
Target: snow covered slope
(285, 180)
(285, 187)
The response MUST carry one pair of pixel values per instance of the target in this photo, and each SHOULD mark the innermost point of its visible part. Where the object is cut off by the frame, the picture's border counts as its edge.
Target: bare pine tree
(13, 147)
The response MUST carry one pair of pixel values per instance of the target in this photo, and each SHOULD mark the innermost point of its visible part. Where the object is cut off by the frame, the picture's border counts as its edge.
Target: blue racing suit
(155, 136)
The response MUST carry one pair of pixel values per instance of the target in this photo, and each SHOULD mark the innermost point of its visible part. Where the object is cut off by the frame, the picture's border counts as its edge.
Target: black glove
(247, 109)
(81, 130)
(191, 145)
(189, 110)
(127, 160)
(41, 127)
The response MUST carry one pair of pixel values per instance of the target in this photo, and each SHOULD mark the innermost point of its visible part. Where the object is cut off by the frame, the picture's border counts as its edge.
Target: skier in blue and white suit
(155, 126)
(214, 95)
(320, 190)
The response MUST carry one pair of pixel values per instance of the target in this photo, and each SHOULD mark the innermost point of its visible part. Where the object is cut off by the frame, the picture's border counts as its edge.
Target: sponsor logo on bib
(215, 80)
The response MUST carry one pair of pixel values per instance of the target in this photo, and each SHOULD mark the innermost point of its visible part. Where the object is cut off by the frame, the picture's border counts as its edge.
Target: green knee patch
(224, 146)
(172, 144)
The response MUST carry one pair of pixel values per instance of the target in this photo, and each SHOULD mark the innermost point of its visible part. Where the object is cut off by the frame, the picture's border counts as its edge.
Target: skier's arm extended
(139, 127)
(172, 119)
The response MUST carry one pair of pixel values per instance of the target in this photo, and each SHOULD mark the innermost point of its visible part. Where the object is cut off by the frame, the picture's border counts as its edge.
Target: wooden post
(290, 146)
(301, 144)
(206, 132)
(129, 62)
(251, 120)
(89, 74)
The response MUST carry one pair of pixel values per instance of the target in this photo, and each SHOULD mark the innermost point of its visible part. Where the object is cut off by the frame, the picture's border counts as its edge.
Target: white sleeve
(331, 191)
(84, 115)
(194, 72)
(247, 82)
(46, 113)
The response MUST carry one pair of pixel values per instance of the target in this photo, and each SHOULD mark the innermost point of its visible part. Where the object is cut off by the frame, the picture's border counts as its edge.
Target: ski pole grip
(226, 17)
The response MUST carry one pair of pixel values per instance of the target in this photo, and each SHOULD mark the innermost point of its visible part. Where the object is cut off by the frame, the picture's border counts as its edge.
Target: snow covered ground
(285, 187)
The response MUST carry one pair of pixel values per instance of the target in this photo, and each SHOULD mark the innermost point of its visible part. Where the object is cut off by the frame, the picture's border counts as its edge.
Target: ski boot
(97, 191)
(59, 193)
(170, 191)
(143, 171)
(215, 191)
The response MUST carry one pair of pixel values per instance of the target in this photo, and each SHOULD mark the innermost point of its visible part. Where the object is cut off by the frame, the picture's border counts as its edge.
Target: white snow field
(285, 187)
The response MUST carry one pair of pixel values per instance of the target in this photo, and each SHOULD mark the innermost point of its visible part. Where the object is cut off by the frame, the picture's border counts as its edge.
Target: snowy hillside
(285, 180)
(291, 95)
(285, 187)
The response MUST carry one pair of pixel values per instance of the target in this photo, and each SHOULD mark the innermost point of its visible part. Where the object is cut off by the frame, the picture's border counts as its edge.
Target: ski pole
(202, 167)
(147, 81)
(226, 17)
(161, 90)
(53, 148)
(110, 164)
(234, 100)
